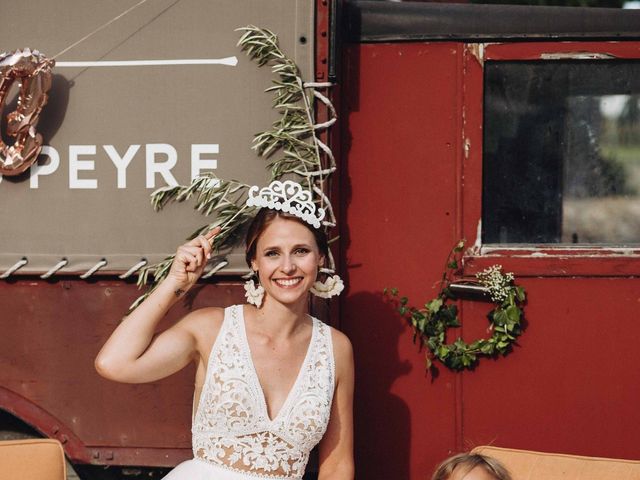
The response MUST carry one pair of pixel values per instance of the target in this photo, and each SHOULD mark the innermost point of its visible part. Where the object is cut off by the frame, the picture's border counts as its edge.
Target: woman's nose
(288, 266)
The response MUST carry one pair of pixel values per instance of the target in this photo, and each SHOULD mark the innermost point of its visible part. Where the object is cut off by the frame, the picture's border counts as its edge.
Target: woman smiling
(271, 381)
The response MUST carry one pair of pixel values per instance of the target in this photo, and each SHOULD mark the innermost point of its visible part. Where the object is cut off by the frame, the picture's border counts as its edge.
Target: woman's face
(287, 260)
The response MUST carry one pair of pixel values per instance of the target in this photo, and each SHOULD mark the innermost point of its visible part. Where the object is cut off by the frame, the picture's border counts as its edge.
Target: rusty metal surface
(375, 21)
(48, 425)
(51, 333)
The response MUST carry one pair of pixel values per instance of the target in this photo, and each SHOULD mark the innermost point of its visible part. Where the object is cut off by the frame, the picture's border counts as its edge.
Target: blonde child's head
(471, 466)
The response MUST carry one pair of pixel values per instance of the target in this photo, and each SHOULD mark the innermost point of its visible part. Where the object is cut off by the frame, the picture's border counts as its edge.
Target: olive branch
(295, 135)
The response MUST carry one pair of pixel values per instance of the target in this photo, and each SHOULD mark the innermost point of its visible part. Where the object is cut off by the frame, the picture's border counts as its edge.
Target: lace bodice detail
(232, 428)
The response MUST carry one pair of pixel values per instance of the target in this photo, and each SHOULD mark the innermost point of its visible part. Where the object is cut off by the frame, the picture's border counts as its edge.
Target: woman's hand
(190, 261)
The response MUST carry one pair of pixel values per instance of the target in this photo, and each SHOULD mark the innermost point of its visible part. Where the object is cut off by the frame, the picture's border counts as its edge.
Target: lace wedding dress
(233, 436)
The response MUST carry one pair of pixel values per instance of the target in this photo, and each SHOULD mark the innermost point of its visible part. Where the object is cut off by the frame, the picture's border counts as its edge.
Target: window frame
(544, 260)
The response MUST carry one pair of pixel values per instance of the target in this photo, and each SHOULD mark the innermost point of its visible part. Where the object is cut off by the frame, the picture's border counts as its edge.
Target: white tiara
(289, 197)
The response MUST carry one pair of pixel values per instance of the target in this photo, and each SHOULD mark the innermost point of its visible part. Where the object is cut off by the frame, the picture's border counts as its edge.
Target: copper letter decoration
(33, 70)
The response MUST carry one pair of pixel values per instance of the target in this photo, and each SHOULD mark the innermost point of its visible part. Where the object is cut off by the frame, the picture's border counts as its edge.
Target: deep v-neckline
(254, 372)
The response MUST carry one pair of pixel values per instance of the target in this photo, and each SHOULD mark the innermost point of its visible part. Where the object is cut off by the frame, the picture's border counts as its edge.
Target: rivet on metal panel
(109, 455)
(96, 454)
(467, 147)
(55, 429)
(64, 439)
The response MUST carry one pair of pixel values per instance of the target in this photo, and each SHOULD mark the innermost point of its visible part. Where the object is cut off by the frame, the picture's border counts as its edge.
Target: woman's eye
(271, 253)
(301, 251)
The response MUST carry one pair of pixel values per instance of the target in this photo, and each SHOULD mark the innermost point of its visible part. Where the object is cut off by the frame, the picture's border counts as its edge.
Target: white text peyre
(160, 159)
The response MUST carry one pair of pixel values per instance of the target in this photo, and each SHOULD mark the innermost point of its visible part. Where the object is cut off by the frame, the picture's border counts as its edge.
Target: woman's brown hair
(469, 461)
(263, 219)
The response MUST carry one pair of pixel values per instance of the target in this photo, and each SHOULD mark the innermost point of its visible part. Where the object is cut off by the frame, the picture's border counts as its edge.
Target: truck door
(514, 128)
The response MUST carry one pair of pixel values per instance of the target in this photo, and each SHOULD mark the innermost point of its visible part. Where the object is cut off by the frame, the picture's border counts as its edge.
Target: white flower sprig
(498, 283)
(254, 293)
(332, 286)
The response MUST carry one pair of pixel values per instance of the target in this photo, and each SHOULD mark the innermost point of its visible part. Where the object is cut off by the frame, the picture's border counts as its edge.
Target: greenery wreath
(430, 324)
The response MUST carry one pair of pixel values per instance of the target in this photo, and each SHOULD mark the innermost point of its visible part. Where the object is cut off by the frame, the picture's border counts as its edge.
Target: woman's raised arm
(132, 354)
(336, 447)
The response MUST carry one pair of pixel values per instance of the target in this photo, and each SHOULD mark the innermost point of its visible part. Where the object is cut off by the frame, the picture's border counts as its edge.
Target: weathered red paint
(412, 152)
(142, 457)
(540, 263)
(571, 383)
(538, 50)
(401, 122)
(322, 43)
(48, 364)
(43, 421)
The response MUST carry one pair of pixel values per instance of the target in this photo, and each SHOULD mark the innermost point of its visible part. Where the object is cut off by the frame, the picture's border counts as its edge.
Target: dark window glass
(561, 159)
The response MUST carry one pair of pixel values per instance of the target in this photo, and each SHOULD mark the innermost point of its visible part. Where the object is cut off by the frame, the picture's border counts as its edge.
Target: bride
(271, 381)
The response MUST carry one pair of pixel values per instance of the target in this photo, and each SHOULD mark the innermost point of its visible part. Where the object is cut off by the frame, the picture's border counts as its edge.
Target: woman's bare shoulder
(340, 340)
(342, 351)
(204, 324)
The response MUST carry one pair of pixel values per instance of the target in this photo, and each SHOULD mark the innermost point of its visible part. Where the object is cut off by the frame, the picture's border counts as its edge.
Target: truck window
(561, 152)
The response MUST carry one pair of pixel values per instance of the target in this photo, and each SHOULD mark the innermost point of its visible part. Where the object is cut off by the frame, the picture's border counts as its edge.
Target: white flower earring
(254, 294)
(331, 287)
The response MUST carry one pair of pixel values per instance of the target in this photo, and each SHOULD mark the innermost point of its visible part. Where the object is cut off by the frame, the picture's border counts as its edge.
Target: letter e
(76, 165)
(198, 163)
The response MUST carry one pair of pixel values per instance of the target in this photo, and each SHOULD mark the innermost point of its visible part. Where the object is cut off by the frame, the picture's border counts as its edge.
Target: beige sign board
(160, 98)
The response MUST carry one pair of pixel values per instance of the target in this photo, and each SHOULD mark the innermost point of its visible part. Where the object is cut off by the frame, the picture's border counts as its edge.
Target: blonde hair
(469, 461)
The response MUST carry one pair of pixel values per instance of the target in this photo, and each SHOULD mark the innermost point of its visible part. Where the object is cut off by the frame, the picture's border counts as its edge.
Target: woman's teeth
(288, 282)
